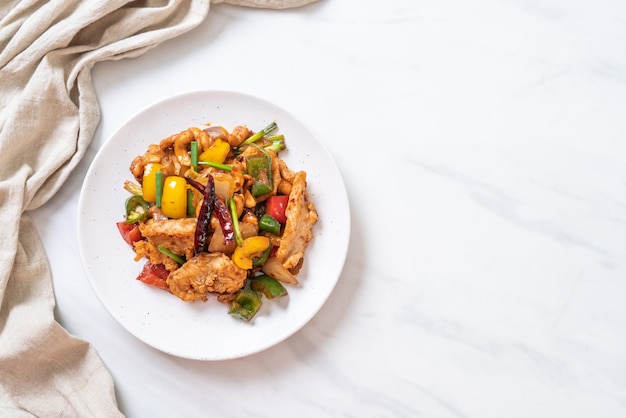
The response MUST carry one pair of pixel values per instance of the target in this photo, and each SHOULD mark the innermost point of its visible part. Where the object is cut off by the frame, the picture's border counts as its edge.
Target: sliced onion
(217, 132)
(274, 268)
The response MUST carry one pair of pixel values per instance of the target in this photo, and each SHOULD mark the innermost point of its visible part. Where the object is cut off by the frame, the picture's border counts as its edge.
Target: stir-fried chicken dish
(218, 212)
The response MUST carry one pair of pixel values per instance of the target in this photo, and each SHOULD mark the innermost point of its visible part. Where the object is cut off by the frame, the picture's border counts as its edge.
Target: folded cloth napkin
(48, 115)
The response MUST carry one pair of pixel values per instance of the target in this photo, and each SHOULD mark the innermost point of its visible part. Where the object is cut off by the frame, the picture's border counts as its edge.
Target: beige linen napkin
(48, 115)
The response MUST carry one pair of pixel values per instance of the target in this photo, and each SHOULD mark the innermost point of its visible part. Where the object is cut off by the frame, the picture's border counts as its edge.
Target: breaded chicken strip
(206, 273)
(301, 216)
(174, 234)
(151, 252)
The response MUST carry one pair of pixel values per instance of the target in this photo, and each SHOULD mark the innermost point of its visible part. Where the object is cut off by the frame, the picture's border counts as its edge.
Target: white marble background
(483, 148)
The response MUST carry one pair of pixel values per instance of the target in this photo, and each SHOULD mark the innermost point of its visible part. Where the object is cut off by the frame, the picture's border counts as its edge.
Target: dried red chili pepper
(203, 226)
(220, 210)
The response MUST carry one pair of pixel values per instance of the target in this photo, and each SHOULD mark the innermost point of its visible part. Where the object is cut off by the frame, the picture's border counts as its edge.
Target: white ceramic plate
(205, 331)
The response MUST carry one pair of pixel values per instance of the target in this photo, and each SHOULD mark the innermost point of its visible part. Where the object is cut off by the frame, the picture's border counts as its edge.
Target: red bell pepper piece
(275, 206)
(130, 232)
(154, 275)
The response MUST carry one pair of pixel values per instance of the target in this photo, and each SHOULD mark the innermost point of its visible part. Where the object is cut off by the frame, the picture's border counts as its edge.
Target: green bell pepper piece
(260, 168)
(269, 224)
(259, 261)
(246, 304)
(268, 285)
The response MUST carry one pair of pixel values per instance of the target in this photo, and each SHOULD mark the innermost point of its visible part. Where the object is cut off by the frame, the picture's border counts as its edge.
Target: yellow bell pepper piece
(174, 199)
(217, 152)
(149, 181)
(252, 247)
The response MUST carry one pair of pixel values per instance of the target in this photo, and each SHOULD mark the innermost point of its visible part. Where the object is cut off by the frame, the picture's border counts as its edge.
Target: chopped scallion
(194, 155)
(269, 128)
(175, 257)
(159, 188)
(236, 229)
(224, 167)
(191, 209)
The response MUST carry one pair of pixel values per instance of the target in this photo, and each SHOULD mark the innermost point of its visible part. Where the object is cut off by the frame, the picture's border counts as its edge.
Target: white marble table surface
(483, 147)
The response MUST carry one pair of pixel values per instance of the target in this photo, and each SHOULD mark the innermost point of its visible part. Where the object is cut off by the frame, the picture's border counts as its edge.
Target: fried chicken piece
(153, 154)
(285, 172)
(174, 234)
(238, 135)
(301, 216)
(180, 143)
(206, 273)
(151, 252)
(226, 298)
